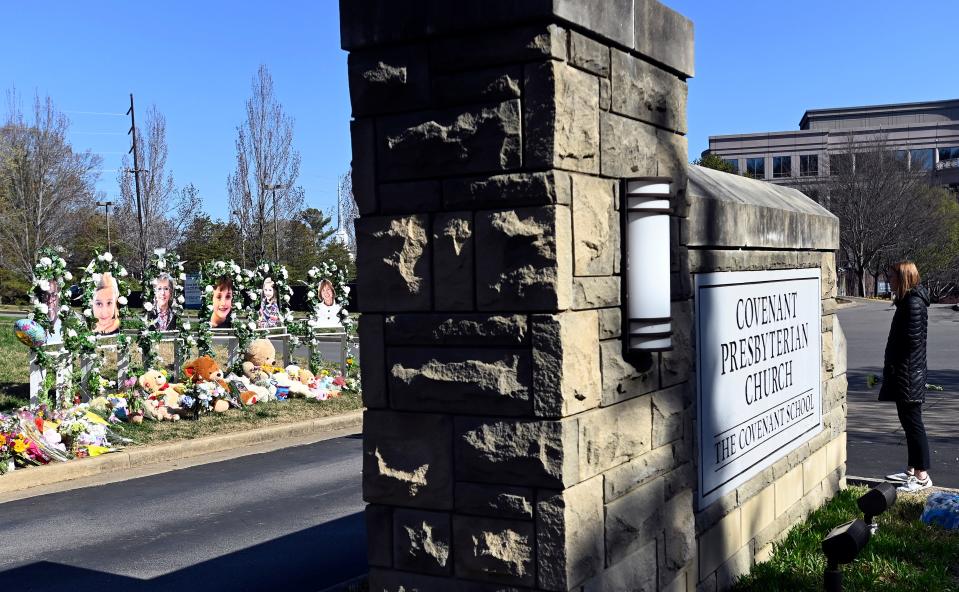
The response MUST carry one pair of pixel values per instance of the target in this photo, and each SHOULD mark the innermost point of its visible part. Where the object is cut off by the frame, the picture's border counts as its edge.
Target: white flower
(312, 272)
(71, 333)
(237, 306)
(284, 272)
(346, 289)
(64, 308)
(108, 256)
(311, 294)
(180, 299)
(220, 265)
(264, 268)
(91, 338)
(67, 276)
(236, 269)
(89, 268)
(122, 300)
(251, 326)
(148, 306)
(159, 252)
(286, 297)
(186, 326)
(182, 277)
(161, 264)
(44, 285)
(96, 278)
(334, 267)
(88, 313)
(208, 289)
(43, 308)
(253, 296)
(46, 261)
(248, 273)
(123, 272)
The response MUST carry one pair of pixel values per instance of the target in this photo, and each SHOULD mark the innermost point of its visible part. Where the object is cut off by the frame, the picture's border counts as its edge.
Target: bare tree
(166, 211)
(265, 159)
(877, 199)
(43, 182)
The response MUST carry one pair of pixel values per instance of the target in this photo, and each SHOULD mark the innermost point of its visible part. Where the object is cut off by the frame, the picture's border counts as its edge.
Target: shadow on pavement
(311, 559)
(876, 445)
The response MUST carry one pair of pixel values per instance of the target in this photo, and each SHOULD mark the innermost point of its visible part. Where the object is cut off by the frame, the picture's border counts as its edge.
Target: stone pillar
(508, 442)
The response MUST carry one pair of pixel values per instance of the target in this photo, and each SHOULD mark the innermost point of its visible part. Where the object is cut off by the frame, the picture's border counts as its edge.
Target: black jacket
(904, 368)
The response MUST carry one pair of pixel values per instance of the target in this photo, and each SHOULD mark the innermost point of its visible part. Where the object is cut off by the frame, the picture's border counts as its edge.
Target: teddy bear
(247, 392)
(259, 360)
(161, 399)
(205, 370)
(301, 374)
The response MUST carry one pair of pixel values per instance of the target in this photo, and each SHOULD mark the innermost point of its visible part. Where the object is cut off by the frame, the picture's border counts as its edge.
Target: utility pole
(106, 206)
(276, 227)
(136, 181)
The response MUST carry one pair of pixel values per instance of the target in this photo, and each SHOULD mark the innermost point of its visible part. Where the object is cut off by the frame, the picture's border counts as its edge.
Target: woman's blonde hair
(907, 276)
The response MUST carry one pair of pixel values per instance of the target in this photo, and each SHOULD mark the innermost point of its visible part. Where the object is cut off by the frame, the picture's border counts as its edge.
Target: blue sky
(759, 65)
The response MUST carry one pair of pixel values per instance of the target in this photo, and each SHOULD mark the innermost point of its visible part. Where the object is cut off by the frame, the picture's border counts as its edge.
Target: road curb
(872, 482)
(22, 479)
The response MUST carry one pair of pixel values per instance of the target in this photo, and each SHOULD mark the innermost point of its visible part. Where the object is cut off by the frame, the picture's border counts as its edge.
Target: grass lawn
(237, 420)
(15, 392)
(14, 370)
(905, 555)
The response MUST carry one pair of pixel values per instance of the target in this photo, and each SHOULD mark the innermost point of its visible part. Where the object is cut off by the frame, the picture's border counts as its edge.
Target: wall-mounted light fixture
(647, 246)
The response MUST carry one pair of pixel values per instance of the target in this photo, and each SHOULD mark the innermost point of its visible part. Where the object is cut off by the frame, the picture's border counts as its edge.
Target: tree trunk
(861, 281)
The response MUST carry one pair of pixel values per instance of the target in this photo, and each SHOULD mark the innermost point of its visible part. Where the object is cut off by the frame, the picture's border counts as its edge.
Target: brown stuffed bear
(259, 360)
(205, 369)
(161, 401)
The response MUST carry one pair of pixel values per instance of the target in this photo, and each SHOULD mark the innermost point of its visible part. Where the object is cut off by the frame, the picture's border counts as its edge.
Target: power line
(99, 133)
(97, 113)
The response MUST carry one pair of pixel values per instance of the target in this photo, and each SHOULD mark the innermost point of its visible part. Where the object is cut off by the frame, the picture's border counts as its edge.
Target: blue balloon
(30, 333)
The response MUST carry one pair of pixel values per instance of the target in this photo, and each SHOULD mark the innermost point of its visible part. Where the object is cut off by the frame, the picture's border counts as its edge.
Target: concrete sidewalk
(876, 444)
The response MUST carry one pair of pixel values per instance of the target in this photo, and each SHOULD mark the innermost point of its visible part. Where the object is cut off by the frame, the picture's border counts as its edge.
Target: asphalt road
(876, 445)
(285, 520)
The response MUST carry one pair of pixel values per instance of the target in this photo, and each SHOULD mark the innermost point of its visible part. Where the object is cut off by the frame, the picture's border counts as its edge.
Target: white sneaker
(914, 485)
(903, 477)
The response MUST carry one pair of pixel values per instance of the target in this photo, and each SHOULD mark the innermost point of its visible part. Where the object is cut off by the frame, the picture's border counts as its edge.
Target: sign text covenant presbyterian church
(758, 355)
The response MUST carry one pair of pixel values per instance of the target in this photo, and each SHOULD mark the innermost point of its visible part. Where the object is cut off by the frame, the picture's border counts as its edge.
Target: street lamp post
(276, 227)
(106, 206)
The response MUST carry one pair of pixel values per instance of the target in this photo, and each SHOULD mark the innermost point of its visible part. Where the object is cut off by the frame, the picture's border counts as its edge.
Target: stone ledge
(731, 211)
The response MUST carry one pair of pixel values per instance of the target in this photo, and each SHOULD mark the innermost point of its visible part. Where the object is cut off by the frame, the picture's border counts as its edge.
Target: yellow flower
(19, 446)
(3, 440)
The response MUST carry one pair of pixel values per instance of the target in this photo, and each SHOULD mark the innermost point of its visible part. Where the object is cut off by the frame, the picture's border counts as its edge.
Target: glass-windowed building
(925, 135)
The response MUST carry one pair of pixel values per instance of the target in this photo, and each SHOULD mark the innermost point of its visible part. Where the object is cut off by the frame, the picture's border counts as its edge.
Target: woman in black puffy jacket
(904, 371)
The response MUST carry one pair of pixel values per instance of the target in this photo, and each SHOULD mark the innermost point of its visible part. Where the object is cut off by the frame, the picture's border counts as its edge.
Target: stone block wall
(509, 443)
(738, 224)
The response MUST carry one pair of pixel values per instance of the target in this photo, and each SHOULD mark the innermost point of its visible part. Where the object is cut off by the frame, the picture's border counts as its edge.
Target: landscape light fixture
(844, 542)
(876, 501)
(842, 545)
(647, 244)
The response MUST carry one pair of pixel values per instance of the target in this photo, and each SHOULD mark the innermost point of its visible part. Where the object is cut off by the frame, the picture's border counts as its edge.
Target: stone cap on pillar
(731, 211)
(644, 26)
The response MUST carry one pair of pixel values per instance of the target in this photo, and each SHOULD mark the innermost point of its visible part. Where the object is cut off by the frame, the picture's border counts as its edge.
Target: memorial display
(236, 305)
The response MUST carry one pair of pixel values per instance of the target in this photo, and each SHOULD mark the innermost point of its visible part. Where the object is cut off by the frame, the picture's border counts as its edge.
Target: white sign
(191, 291)
(758, 344)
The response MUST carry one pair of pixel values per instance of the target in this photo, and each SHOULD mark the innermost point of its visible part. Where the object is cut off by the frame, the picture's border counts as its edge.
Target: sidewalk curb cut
(50, 474)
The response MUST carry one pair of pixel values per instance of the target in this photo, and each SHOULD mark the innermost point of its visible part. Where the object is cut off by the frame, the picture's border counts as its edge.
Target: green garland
(341, 292)
(163, 262)
(50, 269)
(305, 332)
(105, 263)
(209, 272)
(281, 287)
